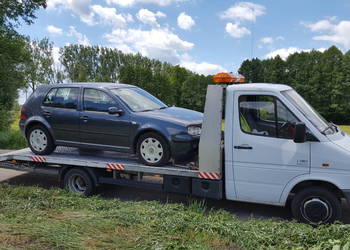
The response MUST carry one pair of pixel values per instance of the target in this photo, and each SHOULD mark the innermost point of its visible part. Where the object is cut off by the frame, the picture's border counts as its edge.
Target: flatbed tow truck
(274, 149)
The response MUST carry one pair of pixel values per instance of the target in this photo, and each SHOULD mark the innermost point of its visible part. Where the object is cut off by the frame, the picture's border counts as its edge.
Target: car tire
(316, 205)
(79, 181)
(40, 140)
(152, 149)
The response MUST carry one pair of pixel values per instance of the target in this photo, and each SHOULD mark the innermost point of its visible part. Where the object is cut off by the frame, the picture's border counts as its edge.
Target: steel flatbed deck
(104, 159)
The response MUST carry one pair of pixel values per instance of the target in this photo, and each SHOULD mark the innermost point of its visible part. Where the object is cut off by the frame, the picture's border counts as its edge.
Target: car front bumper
(184, 147)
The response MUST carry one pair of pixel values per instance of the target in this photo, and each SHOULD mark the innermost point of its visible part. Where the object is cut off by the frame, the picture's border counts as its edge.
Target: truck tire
(316, 205)
(40, 140)
(152, 149)
(79, 181)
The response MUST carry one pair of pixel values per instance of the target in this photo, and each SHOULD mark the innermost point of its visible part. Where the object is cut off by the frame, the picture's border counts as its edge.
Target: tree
(14, 53)
(40, 69)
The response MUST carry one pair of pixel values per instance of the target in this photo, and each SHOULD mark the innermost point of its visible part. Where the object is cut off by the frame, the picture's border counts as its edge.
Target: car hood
(177, 115)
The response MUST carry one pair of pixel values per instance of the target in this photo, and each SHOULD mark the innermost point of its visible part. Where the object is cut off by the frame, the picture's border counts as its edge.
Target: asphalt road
(242, 210)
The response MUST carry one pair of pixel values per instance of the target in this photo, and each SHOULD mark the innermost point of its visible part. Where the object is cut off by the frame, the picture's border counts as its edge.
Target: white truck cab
(278, 149)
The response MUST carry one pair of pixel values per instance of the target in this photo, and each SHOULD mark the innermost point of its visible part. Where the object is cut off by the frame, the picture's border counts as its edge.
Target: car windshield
(138, 100)
(309, 112)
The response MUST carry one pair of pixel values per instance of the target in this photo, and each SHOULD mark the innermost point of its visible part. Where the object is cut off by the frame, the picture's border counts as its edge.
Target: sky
(205, 36)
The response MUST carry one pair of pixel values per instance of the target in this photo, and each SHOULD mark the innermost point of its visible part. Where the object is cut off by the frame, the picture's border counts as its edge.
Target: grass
(345, 128)
(36, 218)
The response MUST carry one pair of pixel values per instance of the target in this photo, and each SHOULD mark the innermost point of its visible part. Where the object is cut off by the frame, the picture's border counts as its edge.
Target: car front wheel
(152, 149)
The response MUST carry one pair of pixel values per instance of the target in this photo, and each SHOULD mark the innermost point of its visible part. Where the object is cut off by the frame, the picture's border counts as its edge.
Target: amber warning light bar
(228, 78)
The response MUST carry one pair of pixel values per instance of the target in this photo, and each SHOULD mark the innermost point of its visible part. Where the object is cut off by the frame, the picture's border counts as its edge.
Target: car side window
(97, 100)
(62, 98)
(266, 116)
(48, 101)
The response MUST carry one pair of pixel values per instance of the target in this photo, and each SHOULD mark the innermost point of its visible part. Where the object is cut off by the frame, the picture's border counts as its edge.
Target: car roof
(274, 87)
(104, 85)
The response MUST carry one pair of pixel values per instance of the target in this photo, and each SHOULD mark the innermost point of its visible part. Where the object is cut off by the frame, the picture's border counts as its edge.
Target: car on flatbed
(107, 116)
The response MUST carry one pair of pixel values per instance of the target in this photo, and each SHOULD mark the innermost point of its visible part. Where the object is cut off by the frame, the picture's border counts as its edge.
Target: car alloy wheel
(151, 150)
(38, 140)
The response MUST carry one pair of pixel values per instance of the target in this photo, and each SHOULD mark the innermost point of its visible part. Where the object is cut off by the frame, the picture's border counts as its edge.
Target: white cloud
(148, 17)
(204, 68)
(336, 33)
(185, 21)
(267, 40)
(159, 43)
(81, 38)
(109, 16)
(54, 30)
(285, 52)
(234, 30)
(243, 11)
(129, 3)
(80, 8)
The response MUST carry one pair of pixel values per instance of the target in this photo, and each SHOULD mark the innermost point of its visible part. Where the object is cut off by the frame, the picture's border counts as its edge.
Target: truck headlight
(194, 130)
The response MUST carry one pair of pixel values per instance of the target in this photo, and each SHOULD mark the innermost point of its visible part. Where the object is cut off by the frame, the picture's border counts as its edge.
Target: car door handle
(47, 113)
(243, 147)
(84, 118)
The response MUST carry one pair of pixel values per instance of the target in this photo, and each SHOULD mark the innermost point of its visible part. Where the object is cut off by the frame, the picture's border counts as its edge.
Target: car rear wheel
(153, 150)
(40, 140)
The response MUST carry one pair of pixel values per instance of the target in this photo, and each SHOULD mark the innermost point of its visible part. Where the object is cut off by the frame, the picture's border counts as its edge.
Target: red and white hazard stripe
(115, 166)
(209, 175)
(38, 158)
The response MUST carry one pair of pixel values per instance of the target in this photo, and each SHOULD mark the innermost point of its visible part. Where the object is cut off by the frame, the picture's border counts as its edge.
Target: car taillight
(23, 116)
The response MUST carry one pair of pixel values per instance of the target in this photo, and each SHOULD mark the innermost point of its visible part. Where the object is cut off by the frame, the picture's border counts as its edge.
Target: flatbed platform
(63, 156)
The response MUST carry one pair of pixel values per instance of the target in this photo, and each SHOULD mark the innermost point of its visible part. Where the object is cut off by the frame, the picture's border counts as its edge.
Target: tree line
(322, 78)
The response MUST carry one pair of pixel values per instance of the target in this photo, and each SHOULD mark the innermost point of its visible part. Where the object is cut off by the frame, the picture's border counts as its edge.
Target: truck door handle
(243, 147)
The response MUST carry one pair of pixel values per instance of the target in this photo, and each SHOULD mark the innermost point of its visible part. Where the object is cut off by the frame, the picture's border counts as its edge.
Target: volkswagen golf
(109, 116)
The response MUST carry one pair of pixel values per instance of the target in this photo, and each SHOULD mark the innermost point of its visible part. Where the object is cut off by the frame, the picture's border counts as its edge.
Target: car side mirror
(300, 132)
(115, 111)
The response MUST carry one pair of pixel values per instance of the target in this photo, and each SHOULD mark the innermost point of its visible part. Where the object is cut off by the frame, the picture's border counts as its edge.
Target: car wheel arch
(35, 123)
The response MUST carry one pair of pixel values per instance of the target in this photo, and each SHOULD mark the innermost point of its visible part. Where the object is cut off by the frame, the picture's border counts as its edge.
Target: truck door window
(266, 116)
(257, 115)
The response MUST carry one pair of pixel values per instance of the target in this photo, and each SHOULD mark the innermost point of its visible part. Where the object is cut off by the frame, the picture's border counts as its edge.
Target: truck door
(265, 157)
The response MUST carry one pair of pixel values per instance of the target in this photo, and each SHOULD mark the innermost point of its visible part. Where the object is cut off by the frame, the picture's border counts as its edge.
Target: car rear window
(62, 98)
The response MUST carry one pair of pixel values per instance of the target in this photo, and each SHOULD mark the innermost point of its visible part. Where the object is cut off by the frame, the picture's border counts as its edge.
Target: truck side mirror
(300, 132)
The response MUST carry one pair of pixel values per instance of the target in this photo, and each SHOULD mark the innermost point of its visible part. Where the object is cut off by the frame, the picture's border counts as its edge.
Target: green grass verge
(345, 128)
(35, 218)
(12, 139)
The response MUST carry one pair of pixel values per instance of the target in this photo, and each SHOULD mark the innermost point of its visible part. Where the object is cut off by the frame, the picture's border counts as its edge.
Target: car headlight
(194, 130)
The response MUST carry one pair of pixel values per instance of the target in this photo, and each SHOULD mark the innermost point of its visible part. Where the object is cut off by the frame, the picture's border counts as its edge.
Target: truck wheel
(78, 181)
(152, 149)
(316, 205)
(40, 140)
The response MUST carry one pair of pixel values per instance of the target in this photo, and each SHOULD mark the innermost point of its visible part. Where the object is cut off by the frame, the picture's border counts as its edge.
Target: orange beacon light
(228, 78)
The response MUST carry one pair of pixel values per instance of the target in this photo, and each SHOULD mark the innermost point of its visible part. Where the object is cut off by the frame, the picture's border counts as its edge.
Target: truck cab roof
(273, 87)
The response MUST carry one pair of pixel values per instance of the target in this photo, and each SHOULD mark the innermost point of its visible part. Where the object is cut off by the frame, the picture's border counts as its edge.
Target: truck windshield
(138, 100)
(310, 113)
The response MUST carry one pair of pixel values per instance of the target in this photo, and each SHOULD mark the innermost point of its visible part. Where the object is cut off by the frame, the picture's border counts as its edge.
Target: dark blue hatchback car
(108, 116)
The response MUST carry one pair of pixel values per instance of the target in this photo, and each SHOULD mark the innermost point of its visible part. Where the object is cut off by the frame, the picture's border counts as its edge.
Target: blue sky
(204, 36)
